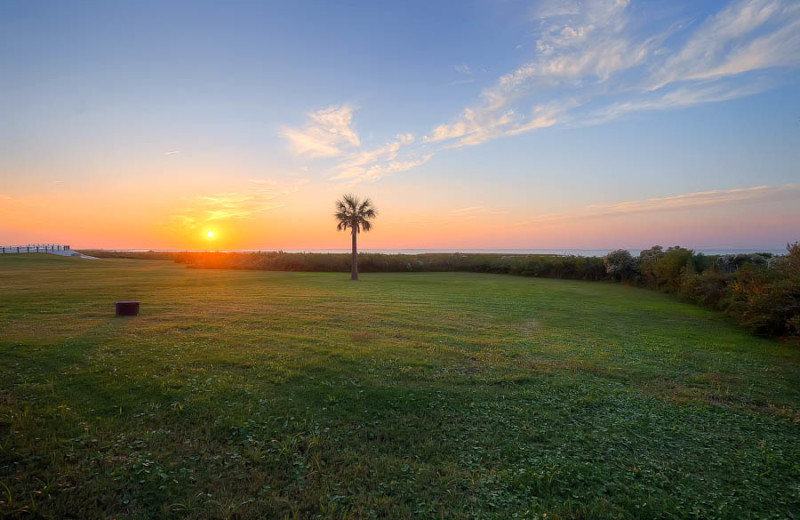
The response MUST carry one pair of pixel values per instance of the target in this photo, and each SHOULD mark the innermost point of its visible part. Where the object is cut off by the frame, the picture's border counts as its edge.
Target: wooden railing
(35, 248)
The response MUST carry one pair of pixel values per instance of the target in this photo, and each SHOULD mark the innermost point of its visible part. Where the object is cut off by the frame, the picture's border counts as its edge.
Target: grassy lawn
(248, 394)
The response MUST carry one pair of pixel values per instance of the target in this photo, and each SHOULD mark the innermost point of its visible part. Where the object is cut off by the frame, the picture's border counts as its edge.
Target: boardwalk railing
(35, 248)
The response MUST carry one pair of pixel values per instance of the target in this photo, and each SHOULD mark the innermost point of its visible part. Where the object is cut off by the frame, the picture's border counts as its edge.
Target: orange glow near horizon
(259, 220)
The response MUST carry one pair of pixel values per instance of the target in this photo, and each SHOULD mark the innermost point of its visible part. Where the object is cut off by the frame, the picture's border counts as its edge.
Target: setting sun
(210, 234)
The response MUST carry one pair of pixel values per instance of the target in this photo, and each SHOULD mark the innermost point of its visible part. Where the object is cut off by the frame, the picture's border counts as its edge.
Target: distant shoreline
(542, 252)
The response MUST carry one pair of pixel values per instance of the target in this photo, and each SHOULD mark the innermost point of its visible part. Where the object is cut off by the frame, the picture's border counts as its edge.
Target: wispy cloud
(747, 35)
(673, 99)
(482, 215)
(555, 8)
(476, 211)
(583, 46)
(235, 205)
(595, 61)
(268, 182)
(694, 200)
(371, 165)
(172, 152)
(465, 74)
(591, 54)
(205, 209)
(375, 172)
(328, 131)
(386, 152)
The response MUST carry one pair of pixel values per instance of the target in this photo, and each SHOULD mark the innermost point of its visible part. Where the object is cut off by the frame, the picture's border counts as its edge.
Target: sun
(210, 234)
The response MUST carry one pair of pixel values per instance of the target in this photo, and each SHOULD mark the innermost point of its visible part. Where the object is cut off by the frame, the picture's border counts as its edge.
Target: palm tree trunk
(354, 264)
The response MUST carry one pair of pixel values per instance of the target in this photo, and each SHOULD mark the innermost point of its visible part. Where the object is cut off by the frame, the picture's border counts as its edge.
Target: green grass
(432, 395)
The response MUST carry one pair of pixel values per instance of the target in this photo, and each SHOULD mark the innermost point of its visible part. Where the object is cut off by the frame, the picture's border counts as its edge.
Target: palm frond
(350, 201)
(354, 214)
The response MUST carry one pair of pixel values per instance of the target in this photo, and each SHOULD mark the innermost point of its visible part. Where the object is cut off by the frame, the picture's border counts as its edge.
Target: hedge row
(761, 291)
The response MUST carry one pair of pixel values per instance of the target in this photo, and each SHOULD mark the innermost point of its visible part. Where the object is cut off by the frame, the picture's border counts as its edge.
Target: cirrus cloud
(328, 131)
(595, 61)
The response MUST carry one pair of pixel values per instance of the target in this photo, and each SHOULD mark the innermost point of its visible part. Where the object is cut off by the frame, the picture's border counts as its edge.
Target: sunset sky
(471, 124)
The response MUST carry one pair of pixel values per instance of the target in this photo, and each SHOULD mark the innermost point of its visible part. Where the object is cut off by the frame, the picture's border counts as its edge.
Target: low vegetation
(254, 394)
(543, 266)
(761, 290)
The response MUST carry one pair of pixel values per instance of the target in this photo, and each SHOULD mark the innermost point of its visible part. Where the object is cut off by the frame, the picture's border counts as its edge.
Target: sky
(497, 124)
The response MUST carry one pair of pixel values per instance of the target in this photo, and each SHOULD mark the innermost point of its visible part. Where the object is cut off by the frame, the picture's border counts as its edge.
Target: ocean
(559, 252)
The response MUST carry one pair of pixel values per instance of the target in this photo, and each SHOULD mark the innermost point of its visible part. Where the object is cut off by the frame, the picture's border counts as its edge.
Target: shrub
(671, 267)
(767, 300)
(620, 265)
(648, 260)
(708, 288)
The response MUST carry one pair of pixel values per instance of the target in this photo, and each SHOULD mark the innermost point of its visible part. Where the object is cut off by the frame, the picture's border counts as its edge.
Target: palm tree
(355, 215)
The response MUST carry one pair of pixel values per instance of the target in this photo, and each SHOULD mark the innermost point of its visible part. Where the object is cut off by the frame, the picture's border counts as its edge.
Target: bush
(620, 265)
(708, 288)
(648, 260)
(765, 296)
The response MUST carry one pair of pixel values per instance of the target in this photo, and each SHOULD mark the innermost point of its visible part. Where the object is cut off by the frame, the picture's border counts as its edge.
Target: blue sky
(471, 124)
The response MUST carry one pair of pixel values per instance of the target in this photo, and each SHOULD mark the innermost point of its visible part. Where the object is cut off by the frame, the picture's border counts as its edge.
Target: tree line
(761, 291)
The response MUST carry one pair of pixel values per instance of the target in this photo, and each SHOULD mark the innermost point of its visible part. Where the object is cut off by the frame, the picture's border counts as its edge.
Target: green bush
(620, 265)
(708, 288)
(765, 297)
